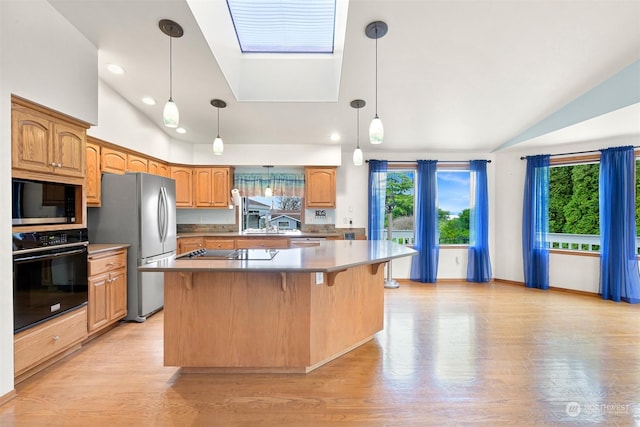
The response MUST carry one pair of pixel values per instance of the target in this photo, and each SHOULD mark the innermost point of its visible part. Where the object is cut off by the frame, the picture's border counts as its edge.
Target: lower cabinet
(188, 244)
(107, 288)
(42, 345)
(263, 243)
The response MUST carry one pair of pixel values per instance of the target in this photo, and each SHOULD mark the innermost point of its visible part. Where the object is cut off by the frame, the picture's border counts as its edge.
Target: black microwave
(42, 202)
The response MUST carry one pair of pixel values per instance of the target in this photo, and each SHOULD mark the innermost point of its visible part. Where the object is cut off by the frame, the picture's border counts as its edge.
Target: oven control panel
(43, 239)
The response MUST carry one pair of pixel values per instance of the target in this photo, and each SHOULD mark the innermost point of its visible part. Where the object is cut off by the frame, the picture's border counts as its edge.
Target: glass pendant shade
(357, 157)
(268, 192)
(170, 114)
(218, 146)
(376, 131)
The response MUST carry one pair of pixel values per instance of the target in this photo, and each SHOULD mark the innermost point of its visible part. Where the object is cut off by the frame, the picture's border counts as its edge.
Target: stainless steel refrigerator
(138, 209)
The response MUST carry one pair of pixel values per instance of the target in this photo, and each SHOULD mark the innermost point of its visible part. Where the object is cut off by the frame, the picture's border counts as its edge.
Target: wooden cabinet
(320, 187)
(219, 243)
(262, 243)
(107, 288)
(184, 186)
(213, 187)
(40, 346)
(188, 244)
(159, 168)
(137, 163)
(92, 176)
(45, 143)
(113, 161)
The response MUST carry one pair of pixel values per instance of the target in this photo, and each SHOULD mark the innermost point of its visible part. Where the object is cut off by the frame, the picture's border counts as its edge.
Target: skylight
(284, 26)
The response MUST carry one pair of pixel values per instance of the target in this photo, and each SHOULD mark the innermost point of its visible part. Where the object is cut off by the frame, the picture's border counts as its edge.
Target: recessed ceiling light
(335, 137)
(181, 130)
(149, 100)
(115, 69)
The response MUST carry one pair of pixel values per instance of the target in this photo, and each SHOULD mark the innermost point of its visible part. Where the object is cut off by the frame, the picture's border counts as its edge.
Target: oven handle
(67, 245)
(49, 255)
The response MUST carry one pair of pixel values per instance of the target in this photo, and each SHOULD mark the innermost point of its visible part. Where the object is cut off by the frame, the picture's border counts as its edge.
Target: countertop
(329, 256)
(289, 234)
(95, 248)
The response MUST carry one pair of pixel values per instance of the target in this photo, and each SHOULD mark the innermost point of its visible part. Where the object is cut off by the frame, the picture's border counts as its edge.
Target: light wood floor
(450, 354)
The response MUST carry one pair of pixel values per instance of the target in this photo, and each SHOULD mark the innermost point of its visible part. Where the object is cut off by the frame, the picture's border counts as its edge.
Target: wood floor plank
(449, 354)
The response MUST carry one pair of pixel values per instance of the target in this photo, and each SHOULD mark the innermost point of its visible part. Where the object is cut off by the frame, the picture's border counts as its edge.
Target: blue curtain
(619, 276)
(424, 266)
(479, 264)
(535, 223)
(377, 195)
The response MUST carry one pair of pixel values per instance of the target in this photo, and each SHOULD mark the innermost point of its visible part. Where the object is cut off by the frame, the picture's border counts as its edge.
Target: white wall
(45, 59)
(565, 271)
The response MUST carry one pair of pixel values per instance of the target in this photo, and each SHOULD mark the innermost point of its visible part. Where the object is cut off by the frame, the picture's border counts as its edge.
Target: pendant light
(170, 114)
(218, 145)
(357, 153)
(268, 192)
(376, 30)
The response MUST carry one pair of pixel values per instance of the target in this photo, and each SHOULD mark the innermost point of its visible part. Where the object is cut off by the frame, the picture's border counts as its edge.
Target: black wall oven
(49, 275)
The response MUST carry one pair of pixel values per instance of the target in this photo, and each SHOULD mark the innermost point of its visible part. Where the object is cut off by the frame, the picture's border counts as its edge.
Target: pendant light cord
(358, 129)
(218, 122)
(376, 71)
(171, 68)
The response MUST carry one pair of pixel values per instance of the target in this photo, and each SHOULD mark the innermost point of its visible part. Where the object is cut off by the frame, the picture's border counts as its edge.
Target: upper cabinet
(113, 161)
(137, 163)
(320, 187)
(92, 178)
(184, 186)
(213, 187)
(159, 168)
(46, 142)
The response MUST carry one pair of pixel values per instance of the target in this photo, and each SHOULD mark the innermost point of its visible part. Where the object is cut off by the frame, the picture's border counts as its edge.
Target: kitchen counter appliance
(138, 209)
(49, 275)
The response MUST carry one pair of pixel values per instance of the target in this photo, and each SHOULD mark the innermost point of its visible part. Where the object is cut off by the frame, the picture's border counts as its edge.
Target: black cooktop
(233, 254)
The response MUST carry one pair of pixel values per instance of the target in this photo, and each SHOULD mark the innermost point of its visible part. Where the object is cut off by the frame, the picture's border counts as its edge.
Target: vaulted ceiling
(452, 75)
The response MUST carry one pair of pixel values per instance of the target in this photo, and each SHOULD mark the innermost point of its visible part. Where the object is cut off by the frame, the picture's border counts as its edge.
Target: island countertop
(329, 256)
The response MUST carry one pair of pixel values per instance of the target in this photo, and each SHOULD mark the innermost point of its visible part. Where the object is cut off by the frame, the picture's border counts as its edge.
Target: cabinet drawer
(48, 339)
(210, 243)
(271, 243)
(103, 262)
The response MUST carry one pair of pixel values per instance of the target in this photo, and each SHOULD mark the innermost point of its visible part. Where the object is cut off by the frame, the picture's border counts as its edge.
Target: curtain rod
(574, 152)
(439, 161)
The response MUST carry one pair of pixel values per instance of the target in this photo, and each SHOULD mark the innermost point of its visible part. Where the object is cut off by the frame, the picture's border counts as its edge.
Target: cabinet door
(98, 303)
(188, 244)
(184, 186)
(220, 188)
(68, 150)
(137, 164)
(320, 187)
(203, 187)
(113, 161)
(92, 176)
(219, 243)
(118, 294)
(163, 170)
(31, 136)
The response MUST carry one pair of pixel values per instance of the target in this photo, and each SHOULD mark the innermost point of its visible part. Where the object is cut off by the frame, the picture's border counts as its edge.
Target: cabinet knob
(53, 164)
(59, 165)
(56, 338)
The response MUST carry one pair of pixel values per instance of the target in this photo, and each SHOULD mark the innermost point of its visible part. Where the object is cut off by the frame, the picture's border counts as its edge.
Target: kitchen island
(291, 313)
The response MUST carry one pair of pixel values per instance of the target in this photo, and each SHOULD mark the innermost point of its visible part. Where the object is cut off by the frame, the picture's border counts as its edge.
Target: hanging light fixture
(170, 114)
(376, 30)
(357, 153)
(218, 145)
(268, 192)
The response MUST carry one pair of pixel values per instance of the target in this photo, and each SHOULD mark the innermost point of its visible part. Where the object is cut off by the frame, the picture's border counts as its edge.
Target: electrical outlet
(319, 278)
(345, 220)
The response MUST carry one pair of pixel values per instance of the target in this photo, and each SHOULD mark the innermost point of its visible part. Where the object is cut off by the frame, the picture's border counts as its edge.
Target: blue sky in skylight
(285, 26)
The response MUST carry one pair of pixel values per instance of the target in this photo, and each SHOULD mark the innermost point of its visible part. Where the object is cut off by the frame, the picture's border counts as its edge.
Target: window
(400, 190)
(574, 207)
(281, 211)
(284, 27)
(454, 190)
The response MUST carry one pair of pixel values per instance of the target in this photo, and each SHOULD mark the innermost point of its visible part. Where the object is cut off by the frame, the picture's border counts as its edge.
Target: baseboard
(551, 288)
(7, 397)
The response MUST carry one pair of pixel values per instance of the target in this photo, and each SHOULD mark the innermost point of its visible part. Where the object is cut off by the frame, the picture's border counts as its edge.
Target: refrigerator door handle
(166, 214)
(161, 214)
